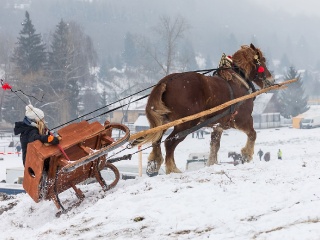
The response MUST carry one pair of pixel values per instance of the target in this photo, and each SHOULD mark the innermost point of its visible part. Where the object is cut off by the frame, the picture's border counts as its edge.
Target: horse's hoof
(175, 170)
(152, 169)
(152, 174)
(245, 159)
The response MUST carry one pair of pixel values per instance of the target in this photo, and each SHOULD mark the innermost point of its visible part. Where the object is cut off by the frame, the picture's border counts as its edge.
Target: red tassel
(6, 86)
(260, 69)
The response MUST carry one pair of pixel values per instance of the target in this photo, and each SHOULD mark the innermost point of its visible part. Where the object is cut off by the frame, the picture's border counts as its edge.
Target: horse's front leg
(248, 150)
(214, 145)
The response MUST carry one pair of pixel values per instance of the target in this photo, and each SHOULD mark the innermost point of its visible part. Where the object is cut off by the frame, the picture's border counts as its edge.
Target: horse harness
(225, 63)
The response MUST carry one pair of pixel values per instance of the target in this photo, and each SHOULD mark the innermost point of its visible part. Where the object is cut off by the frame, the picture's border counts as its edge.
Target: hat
(33, 113)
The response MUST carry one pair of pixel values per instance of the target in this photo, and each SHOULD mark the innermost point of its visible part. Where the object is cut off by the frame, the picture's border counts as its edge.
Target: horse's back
(189, 93)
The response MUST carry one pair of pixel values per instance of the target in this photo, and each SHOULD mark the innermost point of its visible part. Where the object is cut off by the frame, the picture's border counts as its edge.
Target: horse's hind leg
(214, 145)
(155, 159)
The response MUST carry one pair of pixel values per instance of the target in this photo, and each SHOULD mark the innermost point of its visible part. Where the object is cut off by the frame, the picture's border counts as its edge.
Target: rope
(63, 152)
(205, 71)
(6, 86)
(111, 110)
(245, 97)
(118, 107)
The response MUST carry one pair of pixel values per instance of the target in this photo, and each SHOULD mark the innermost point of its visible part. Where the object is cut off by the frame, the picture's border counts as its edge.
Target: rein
(226, 62)
(204, 71)
(230, 111)
(246, 82)
(208, 121)
(240, 76)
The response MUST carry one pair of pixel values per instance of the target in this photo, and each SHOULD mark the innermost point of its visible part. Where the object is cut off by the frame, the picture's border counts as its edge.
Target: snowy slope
(257, 200)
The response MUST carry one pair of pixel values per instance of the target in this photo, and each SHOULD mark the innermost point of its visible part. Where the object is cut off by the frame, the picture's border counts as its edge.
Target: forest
(74, 56)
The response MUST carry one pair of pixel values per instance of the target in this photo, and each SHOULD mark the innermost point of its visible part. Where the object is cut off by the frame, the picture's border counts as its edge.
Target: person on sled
(32, 128)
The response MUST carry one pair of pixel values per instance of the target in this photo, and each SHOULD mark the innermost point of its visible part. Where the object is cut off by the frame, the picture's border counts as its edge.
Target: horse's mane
(243, 59)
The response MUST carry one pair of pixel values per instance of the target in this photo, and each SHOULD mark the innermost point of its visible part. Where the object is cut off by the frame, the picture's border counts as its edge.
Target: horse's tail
(155, 112)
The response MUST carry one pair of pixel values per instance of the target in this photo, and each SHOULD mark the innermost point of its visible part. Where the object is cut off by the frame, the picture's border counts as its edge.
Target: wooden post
(210, 111)
(140, 161)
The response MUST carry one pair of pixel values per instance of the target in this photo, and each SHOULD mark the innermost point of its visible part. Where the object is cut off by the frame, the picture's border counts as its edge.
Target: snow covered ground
(258, 200)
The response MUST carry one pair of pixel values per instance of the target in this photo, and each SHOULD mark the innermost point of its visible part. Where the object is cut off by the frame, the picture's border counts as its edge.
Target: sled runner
(81, 154)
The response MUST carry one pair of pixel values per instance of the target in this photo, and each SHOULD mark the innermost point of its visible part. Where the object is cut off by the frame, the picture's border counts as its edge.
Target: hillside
(257, 200)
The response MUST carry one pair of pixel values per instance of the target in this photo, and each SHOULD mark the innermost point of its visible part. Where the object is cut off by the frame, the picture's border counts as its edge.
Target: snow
(133, 103)
(272, 200)
(201, 61)
(261, 102)
(314, 111)
(141, 121)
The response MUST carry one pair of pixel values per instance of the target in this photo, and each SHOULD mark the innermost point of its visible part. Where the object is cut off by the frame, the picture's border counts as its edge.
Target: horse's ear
(252, 46)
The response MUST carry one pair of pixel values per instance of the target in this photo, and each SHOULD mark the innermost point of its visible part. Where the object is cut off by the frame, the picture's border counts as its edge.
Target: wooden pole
(210, 111)
(140, 161)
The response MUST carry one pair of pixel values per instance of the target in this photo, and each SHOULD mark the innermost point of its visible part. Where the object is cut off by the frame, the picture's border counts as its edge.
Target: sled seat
(42, 179)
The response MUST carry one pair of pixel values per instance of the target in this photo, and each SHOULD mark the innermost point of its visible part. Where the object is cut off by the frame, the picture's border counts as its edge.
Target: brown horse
(182, 94)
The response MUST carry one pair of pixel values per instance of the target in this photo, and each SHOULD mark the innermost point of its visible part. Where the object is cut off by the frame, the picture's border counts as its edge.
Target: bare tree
(164, 51)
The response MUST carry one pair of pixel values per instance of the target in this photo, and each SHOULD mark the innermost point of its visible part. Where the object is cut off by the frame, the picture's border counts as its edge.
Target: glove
(53, 140)
(50, 132)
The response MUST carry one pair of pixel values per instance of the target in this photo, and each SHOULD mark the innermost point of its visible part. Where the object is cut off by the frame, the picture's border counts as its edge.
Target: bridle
(260, 73)
(226, 62)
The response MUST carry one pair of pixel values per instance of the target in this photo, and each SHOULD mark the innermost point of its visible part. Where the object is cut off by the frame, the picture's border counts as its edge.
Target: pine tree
(62, 71)
(187, 57)
(104, 70)
(129, 54)
(209, 63)
(70, 59)
(58, 57)
(284, 62)
(231, 44)
(29, 55)
(292, 100)
(103, 104)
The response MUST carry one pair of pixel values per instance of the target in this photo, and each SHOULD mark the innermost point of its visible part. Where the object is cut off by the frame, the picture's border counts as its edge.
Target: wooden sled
(80, 155)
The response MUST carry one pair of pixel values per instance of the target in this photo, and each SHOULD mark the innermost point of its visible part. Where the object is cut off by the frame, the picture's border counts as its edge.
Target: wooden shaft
(210, 111)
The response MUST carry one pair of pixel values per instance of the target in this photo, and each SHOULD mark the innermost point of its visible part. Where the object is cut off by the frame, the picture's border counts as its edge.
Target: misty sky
(310, 7)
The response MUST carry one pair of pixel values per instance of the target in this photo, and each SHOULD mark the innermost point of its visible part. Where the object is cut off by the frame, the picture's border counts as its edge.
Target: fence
(266, 120)
(8, 143)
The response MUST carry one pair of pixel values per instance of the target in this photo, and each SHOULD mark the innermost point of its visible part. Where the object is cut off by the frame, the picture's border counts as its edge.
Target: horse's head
(253, 64)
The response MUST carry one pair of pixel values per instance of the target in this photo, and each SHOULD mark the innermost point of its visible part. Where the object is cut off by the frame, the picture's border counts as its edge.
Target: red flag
(6, 86)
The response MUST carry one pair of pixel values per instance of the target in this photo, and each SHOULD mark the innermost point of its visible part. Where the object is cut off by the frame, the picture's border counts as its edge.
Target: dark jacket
(28, 134)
